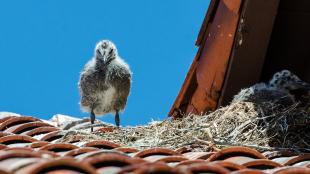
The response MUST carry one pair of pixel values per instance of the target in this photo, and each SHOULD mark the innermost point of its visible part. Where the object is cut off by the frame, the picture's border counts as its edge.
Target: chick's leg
(117, 120)
(92, 119)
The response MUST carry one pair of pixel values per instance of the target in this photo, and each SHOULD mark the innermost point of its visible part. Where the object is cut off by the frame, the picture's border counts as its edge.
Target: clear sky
(45, 44)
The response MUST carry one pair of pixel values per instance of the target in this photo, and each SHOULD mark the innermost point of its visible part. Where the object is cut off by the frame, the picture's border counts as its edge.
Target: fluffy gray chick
(285, 88)
(105, 83)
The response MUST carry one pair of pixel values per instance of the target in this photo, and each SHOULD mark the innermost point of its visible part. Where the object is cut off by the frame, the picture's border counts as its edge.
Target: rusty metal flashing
(190, 82)
(208, 19)
(201, 89)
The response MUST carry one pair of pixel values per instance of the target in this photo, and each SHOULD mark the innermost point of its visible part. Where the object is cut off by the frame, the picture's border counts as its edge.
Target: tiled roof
(29, 145)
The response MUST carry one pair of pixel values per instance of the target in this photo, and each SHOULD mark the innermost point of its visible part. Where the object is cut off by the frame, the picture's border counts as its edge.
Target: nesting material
(264, 116)
(263, 126)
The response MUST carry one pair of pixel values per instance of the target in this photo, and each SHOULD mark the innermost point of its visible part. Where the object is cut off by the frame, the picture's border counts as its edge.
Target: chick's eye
(104, 45)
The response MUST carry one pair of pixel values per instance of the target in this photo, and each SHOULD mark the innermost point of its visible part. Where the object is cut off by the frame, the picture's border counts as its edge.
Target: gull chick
(105, 82)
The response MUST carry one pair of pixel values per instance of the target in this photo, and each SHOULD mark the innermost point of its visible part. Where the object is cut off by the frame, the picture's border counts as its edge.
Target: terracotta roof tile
(79, 151)
(236, 151)
(38, 144)
(253, 163)
(101, 144)
(198, 155)
(12, 121)
(2, 134)
(159, 168)
(17, 139)
(165, 158)
(40, 130)
(249, 171)
(229, 165)
(207, 168)
(112, 160)
(21, 128)
(25, 152)
(52, 136)
(5, 118)
(127, 149)
(156, 151)
(291, 170)
(62, 165)
(97, 153)
(59, 147)
(293, 159)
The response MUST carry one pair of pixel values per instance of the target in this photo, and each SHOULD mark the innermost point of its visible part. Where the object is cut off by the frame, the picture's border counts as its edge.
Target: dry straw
(264, 126)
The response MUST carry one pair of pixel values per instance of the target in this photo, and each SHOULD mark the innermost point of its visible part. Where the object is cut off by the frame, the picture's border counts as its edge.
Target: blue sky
(45, 44)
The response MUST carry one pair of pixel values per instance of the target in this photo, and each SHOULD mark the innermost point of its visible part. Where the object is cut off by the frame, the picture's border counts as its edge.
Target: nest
(264, 116)
(261, 126)
(266, 125)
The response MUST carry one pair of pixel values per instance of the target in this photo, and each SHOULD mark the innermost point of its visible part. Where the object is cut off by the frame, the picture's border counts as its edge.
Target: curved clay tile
(20, 128)
(18, 148)
(229, 165)
(16, 120)
(261, 164)
(206, 168)
(2, 134)
(302, 164)
(126, 149)
(14, 159)
(19, 154)
(22, 152)
(38, 144)
(112, 160)
(288, 161)
(109, 170)
(131, 168)
(157, 168)
(59, 147)
(4, 172)
(79, 151)
(39, 153)
(13, 139)
(2, 146)
(13, 164)
(291, 170)
(92, 154)
(276, 154)
(40, 130)
(48, 154)
(198, 155)
(189, 162)
(53, 136)
(248, 171)
(156, 151)
(101, 144)
(164, 158)
(6, 118)
(253, 163)
(236, 151)
(60, 165)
